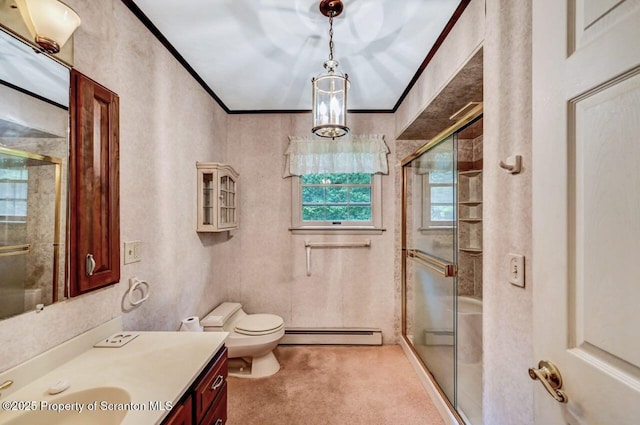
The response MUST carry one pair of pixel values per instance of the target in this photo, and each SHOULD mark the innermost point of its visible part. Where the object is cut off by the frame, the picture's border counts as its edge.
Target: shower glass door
(430, 256)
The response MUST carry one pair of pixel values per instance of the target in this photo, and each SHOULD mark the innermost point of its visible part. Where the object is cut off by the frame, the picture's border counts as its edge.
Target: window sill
(343, 230)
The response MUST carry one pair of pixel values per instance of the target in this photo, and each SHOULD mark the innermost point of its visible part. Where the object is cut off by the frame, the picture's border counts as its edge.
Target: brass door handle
(549, 375)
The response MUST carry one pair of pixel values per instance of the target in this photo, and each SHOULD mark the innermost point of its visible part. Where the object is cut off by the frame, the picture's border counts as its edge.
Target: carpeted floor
(333, 385)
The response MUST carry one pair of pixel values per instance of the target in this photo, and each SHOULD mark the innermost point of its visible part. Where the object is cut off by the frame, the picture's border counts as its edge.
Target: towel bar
(308, 245)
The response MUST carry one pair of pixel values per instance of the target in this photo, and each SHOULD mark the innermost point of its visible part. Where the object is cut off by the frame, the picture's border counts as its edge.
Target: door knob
(549, 375)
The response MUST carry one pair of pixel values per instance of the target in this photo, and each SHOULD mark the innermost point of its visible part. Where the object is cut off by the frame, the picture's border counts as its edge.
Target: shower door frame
(468, 118)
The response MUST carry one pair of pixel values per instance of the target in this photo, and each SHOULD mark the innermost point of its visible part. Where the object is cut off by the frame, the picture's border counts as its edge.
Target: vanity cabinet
(94, 226)
(182, 414)
(217, 197)
(206, 401)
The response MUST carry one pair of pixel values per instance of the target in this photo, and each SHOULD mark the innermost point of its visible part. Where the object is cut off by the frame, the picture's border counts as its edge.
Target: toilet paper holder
(140, 285)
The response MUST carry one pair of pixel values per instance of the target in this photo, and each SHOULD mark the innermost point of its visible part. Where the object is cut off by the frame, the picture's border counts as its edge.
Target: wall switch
(515, 264)
(132, 252)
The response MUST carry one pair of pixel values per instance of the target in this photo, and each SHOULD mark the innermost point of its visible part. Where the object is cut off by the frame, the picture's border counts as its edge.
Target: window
(13, 195)
(438, 198)
(340, 201)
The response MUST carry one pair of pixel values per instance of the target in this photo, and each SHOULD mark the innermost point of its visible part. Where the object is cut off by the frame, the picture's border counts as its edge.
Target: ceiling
(260, 55)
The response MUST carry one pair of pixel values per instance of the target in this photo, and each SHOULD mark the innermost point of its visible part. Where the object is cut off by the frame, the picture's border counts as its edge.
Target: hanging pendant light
(329, 90)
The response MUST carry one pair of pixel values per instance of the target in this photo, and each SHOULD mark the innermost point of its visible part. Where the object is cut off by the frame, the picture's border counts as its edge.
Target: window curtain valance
(350, 154)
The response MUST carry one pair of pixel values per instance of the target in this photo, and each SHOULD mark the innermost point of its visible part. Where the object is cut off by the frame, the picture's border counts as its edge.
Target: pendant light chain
(331, 36)
(329, 89)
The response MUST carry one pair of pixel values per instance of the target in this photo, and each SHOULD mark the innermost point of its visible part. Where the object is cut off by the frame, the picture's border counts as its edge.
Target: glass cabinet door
(217, 197)
(207, 198)
(227, 201)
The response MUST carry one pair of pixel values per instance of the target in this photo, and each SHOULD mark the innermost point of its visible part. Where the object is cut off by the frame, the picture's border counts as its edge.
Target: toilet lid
(259, 324)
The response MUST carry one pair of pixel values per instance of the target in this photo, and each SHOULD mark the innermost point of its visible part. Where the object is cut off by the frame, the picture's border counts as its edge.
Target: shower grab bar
(432, 263)
(308, 245)
(15, 249)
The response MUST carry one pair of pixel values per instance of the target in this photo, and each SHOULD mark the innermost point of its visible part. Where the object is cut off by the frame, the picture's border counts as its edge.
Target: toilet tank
(219, 316)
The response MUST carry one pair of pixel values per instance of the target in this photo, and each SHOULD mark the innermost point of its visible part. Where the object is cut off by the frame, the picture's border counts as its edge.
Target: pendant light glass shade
(50, 22)
(329, 97)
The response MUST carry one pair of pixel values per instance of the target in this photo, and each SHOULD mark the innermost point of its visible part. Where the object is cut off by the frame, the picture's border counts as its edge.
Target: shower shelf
(470, 212)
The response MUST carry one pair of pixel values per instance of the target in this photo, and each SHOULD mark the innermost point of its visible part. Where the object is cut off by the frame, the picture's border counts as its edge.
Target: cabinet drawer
(217, 415)
(210, 385)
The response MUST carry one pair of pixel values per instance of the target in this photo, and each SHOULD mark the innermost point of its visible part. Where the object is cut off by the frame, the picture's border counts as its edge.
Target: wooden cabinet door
(180, 414)
(94, 172)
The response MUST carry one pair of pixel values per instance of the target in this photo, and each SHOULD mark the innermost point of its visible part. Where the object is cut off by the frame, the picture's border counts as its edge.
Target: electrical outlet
(515, 264)
(132, 252)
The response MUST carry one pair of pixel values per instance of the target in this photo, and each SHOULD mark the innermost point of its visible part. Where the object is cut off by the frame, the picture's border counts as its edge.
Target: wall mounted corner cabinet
(94, 223)
(217, 197)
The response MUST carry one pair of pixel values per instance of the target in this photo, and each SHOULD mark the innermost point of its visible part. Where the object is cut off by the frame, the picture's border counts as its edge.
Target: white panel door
(586, 208)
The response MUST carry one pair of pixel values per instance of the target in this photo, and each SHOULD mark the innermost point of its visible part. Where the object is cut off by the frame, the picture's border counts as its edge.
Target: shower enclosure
(30, 192)
(442, 262)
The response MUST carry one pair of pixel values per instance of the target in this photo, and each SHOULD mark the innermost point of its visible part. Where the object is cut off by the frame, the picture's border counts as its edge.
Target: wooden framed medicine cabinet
(94, 223)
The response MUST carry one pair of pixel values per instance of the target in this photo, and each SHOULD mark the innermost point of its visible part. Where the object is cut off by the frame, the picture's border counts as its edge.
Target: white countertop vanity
(144, 381)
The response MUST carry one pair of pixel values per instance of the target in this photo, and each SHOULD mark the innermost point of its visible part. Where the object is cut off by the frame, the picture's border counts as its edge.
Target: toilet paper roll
(191, 324)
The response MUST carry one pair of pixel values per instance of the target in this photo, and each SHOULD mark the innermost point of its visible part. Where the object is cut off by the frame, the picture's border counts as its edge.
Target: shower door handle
(91, 265)
(549, 375)
(433, 263)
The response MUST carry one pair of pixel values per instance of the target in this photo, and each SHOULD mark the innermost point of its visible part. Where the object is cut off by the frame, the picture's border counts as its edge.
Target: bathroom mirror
(34, 153)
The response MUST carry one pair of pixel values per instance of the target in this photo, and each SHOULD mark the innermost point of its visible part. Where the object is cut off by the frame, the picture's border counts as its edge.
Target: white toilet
(252, 337)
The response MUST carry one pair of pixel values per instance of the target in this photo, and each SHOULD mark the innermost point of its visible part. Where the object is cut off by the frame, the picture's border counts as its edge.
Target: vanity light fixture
(329, 90)
(50, 22)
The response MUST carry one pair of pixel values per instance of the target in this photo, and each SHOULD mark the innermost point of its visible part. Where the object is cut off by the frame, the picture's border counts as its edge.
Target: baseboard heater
(332, 336)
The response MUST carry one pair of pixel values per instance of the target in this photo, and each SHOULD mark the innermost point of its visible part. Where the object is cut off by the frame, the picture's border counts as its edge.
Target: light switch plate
(132, 252)
(515, 269)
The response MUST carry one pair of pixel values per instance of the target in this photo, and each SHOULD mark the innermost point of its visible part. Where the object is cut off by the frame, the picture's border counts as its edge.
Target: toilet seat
(259, 324)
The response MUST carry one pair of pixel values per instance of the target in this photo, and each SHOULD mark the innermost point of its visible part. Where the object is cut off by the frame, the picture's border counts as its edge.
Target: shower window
(13, 194)
(437, 192)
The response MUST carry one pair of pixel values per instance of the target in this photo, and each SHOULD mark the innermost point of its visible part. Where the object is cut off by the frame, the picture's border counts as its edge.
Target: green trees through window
(336, 197)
